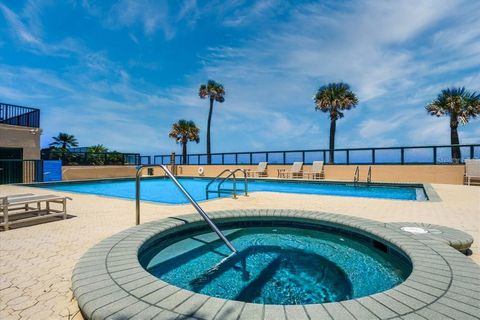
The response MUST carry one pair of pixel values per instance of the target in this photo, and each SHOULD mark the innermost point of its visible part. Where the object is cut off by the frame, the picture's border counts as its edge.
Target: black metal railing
(19, 116)
(433, 154)
(92, 159)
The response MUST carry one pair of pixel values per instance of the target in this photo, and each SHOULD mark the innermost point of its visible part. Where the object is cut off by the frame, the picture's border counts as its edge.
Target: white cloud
(396, 55)
(248, 14)
(372, 46)
(152, 15)
(19, 29)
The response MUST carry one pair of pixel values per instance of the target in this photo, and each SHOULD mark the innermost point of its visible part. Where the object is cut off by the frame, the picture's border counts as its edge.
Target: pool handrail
(356, 175)
(215, 179)
(245, 182)
(197, 207)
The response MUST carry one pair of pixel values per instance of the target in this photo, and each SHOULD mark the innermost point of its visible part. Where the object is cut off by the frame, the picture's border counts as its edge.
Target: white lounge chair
(295, 171)
(261, 170)
(20, 204)
(316, 171)
(472, 170)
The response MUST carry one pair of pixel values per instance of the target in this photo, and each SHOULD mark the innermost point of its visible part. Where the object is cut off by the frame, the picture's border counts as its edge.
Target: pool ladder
(233, 191)
(197, 207)
(356, 176)
(369, 175)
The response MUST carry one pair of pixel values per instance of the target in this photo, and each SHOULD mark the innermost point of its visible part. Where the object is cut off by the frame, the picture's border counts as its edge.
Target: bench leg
(5, 213)
(64, 204)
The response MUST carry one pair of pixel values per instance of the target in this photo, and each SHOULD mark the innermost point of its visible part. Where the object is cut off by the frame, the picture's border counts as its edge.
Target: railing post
(373, 156)
(173, 166)
(266, 156)
(234, 186)
(137, 196)
(199, 159)
(472, 153)
(223, 158)
(348, 156)
(236, 158)
(284, 157)
(402, 155)
(303, 156)
(324, 156)
(434, 155)
(251, 158)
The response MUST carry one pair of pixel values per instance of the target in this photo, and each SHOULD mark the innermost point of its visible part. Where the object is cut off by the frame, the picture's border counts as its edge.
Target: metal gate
(21, 171)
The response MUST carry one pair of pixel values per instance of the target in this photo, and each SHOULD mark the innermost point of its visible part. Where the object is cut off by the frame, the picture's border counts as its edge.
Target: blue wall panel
(52, 170)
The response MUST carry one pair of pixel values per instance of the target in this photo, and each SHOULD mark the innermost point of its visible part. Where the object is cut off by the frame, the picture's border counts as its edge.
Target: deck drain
(415, 230)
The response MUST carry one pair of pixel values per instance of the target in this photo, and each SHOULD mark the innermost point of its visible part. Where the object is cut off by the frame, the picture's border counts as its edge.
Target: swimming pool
(163, 190)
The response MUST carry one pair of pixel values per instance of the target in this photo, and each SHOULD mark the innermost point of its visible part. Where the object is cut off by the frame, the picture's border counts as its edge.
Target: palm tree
(184, 131)
(460, 105)
(64, 141)
(334, 98)
(97, 154)
(99, 148)
(215, 92)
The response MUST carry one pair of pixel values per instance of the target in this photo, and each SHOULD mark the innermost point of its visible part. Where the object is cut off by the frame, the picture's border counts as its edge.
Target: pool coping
(109, 282)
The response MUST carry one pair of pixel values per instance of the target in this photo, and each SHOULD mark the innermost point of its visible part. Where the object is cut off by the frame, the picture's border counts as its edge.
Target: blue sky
(120, 73)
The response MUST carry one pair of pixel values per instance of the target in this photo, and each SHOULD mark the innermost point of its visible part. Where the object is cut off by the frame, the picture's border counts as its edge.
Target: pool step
(226, 191)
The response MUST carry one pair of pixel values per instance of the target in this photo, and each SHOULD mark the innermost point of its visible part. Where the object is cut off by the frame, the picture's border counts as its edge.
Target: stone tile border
(454, 238)
(432, 195)
(109, 282)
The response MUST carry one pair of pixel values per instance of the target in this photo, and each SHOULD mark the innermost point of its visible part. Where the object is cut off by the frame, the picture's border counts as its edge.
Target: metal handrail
(245, 182)
(185, 193)
(356, 176)
(369, 175)
(215, 179)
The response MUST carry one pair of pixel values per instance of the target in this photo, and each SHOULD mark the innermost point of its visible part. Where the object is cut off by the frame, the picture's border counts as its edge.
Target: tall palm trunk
(456, 155)
(333, 126)
(184, 152)
(209, 157)
(64, 149)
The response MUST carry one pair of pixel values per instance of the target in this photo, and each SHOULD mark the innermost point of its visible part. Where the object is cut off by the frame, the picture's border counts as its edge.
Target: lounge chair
(295, 171)
(472, 170)
(316, 171)
(14, 206)
(261, 170)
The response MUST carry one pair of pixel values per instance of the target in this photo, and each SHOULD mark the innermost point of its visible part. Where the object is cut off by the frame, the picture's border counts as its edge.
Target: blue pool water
(163, 190)
(276, 265)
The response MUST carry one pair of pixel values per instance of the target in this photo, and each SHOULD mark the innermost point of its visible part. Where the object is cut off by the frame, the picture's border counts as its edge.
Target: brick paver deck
(36, 262)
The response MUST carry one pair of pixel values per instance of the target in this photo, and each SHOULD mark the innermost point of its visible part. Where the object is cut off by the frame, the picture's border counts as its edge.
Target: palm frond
(458, 103)
(212, 90)
(184, 131)
(64, 139)
(335, 97)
